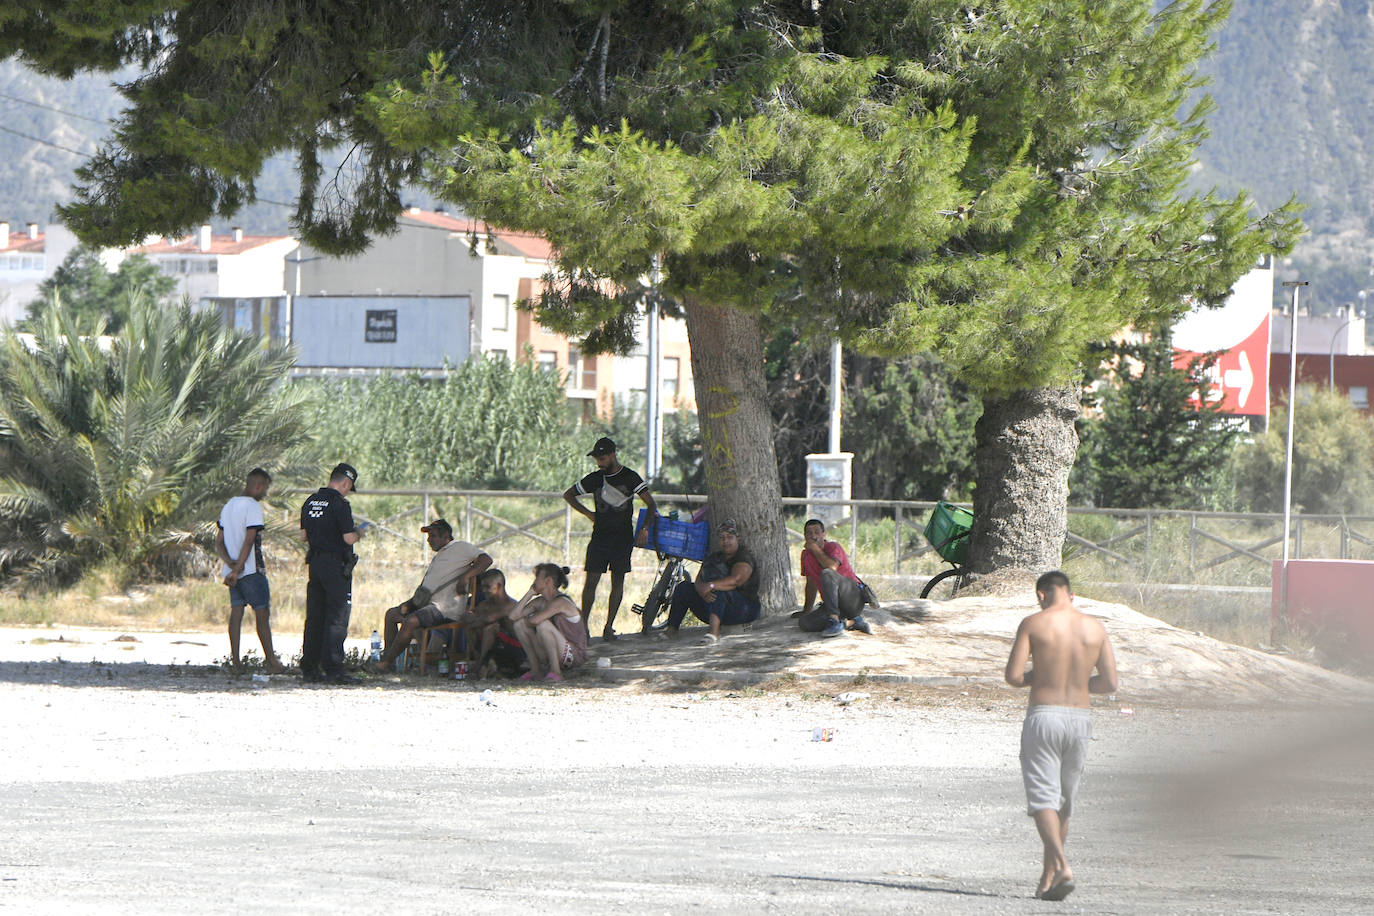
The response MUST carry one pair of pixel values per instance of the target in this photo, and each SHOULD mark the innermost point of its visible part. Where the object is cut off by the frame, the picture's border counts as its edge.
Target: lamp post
(1288, 457)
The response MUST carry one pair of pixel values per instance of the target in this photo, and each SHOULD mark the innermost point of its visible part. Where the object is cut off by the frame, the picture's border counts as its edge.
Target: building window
(547, 360)
(500, 313)
(581, 370)
(1359, 396)
(498, 355)
(669, 374)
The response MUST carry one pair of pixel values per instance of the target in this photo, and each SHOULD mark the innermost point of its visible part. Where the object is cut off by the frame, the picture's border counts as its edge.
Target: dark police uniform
(326, 517)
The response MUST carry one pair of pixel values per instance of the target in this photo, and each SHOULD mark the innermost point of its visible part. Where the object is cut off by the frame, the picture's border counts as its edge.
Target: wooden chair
(422, 634)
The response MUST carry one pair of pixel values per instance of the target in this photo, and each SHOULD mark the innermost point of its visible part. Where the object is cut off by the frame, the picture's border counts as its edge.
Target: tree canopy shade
(999, 183)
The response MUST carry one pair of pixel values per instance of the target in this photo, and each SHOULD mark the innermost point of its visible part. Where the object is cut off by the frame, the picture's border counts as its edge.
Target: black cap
(345, 470)
(604, 446)
(439, 525)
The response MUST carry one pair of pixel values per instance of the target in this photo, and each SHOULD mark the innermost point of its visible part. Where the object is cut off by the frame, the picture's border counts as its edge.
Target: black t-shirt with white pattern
(614, 495)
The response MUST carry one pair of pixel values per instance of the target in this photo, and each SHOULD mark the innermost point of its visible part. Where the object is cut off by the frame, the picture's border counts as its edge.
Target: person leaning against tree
(726, 590)
(327, 527)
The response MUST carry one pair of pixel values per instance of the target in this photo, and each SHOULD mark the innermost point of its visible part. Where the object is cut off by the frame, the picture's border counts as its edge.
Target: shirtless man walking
(1064, 645)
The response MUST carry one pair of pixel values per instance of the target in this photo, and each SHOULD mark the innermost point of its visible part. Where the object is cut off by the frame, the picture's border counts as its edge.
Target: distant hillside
(1294, 85)
(1293, 81)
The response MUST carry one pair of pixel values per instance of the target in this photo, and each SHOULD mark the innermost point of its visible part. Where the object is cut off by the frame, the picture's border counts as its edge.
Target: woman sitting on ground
(549, 625)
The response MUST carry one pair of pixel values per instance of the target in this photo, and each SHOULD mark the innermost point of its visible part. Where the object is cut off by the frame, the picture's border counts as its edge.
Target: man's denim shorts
(251, 591)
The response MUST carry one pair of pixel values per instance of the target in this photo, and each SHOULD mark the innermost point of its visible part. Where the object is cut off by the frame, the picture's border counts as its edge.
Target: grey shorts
(1054, 747)
(430, 616)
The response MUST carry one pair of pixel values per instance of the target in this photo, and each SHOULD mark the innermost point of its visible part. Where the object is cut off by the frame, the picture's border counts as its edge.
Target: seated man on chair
(441, 596)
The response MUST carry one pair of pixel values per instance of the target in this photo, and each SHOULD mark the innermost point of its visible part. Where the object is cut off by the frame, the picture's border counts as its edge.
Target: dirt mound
(967, 639)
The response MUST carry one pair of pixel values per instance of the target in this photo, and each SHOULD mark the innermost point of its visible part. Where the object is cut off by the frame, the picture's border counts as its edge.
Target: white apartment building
(27, 258)
(233, 266)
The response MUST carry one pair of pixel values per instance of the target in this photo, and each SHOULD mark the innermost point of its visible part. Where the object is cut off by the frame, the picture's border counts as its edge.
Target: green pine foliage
(1152, 445)
(120, 450)
(487, 424)
(1333, 458)
(910, 424)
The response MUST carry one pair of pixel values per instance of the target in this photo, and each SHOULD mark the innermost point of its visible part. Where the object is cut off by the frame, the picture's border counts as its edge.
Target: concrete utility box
(828, 476)
(381, 332)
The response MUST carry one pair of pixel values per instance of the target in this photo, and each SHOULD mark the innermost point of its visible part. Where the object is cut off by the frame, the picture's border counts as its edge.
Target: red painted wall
(1332, 597)
(1315, 369)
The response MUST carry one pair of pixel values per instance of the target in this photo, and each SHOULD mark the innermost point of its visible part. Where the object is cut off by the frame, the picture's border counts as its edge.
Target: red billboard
(1238, 333)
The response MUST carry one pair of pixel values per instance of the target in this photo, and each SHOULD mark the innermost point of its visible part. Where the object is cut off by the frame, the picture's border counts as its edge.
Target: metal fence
(1220, 547)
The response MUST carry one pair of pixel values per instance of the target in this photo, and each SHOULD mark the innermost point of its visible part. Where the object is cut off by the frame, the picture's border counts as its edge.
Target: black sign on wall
(381, 326)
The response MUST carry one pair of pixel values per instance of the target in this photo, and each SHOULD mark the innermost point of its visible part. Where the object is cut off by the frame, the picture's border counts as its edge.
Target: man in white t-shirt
(442, 594)
(239, 545)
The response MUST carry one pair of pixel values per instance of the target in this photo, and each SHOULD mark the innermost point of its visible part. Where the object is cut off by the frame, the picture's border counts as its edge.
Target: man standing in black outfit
(613, 488)
(327, 526)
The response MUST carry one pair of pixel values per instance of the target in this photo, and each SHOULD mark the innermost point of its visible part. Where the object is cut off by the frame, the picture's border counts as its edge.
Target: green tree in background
(910, 425)
(94, 296)
(1333, 458)
(487, 424)
(122, 450)
(908, 420)
(1152, 446)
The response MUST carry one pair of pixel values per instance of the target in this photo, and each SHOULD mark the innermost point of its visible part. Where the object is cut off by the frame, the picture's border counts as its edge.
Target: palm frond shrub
(121, 449)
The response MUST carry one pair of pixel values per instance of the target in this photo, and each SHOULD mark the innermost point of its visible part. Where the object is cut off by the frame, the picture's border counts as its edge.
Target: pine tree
(999, 183)
(1159, 443)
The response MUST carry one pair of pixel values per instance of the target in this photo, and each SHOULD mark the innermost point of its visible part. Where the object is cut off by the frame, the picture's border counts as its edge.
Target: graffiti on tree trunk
(720, 458)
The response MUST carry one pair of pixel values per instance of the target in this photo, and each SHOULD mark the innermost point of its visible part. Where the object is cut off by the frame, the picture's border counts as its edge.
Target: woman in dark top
(726, 590)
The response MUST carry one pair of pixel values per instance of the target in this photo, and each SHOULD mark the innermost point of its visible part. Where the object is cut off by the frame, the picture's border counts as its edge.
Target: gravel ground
(133, 787)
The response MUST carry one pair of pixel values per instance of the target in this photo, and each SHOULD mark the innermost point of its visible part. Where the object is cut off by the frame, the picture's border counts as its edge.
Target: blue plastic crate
(675, 537)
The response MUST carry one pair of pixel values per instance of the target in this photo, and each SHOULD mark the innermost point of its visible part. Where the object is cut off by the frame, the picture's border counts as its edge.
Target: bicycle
(948, 531)
(675, 543)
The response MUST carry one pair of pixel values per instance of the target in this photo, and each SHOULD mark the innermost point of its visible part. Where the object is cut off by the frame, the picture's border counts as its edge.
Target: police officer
(327, 526)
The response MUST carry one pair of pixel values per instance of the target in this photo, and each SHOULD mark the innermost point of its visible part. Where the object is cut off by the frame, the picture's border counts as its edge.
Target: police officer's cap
(345, 470)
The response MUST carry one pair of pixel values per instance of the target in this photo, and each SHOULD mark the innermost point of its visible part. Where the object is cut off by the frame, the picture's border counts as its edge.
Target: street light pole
(1288, 457)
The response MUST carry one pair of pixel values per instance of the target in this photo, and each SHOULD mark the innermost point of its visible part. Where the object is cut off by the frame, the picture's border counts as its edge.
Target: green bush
(487, 424)
(1333, 458)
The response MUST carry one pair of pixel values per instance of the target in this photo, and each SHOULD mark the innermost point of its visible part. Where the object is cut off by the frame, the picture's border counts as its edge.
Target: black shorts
(615, 557)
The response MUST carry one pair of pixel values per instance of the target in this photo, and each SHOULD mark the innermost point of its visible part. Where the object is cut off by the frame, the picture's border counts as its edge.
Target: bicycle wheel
(659, 594)
(934, 589)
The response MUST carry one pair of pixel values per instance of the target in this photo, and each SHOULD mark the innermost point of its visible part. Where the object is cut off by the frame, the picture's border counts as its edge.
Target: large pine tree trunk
(1025, 448)
(737, 441)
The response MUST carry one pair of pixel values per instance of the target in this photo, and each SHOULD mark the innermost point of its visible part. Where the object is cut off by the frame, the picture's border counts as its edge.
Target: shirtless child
(1064, 645)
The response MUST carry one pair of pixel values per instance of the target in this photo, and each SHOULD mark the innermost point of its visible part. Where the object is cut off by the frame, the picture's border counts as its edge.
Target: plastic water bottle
(376, 646)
